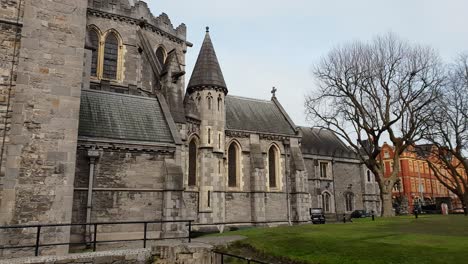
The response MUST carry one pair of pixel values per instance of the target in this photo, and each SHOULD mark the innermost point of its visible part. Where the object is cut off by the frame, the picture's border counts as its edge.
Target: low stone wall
(134, 256)
(166, 253)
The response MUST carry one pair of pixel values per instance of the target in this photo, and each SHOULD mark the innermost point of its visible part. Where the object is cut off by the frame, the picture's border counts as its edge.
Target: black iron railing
(228, 255)
(93, 243)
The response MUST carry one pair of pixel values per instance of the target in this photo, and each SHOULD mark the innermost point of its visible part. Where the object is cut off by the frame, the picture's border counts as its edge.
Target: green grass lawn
(429, 239)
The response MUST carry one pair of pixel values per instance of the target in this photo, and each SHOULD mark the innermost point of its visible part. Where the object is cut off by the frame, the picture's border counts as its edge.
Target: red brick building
(417, 181)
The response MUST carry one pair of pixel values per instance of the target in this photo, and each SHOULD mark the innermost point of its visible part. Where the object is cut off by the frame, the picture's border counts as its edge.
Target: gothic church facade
(100, 125)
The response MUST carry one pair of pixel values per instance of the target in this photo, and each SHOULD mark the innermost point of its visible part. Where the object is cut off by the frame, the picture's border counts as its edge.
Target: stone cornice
(117, 145)
(262, 135)
(138, 22)
(193, 89)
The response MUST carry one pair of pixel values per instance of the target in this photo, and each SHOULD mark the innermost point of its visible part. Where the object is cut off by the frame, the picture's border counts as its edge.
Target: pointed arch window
(220, 101)
(111, 56)
(349, 200)
(192, 175)
(210, 101)
(161, 55)
(273, 167)
(326, 202)
(233, 159)
(94, 40)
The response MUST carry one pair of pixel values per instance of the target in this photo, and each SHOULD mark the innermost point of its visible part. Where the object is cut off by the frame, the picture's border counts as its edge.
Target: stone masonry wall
(10, 42)
(136, 67)
(347, 179)
(128, 186)
(40, 157)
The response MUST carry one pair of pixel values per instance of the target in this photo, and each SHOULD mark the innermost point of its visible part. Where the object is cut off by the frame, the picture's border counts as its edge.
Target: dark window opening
(326, 202)
(161, 55)
(232, 165)
(349, 202)
(324, 169)
(192, 178)
(272, 166)
(94, 39)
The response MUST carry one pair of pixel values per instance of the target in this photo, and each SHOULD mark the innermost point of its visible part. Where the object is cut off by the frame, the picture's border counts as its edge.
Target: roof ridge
(120, 94)
(249, 98)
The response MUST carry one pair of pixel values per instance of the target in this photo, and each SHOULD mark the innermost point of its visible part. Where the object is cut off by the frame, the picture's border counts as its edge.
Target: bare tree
(368, 91)
(448, 132)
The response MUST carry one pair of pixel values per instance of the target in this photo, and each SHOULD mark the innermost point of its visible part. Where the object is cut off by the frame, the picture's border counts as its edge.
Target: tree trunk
(465, 203)
(387, 205)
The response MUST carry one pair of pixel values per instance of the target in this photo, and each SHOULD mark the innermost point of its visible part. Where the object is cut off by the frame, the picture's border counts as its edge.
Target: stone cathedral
(101, 123)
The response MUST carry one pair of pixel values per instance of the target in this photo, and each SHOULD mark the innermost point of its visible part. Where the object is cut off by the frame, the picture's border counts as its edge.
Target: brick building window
(272, 166)
(192, 175)
(94, 40)
(111, 56)
(386, 154)
(233, 159)
(161, 55)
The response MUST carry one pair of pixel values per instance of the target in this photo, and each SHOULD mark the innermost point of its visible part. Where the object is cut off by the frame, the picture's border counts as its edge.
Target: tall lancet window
(94, 39)
(326, 203)
(111, 56)
(272, 166)
(161, 55)
(192, 175)
(232, 164)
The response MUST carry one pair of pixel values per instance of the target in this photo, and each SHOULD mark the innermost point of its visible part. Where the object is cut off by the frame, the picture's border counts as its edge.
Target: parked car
(359, 214)
(317, 216)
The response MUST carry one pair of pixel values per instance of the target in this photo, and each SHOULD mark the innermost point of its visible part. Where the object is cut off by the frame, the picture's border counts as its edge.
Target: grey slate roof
(207, 71)
(248, 114)
(124, 117)
(316, 141)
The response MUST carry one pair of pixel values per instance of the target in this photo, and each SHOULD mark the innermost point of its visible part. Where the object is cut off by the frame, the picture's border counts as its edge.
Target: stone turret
(208, 89)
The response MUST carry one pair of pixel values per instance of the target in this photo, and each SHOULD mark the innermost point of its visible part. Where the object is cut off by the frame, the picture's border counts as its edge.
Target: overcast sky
(265, 43)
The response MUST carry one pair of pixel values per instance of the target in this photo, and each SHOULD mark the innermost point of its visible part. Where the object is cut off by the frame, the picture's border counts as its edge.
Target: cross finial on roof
(207, 29)
(273, 92)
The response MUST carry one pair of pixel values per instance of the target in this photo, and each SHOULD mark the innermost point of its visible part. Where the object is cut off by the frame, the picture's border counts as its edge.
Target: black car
(359, 214)
(317, 216)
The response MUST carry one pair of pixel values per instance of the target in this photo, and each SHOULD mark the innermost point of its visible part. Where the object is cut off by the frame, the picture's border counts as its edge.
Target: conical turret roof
(207, 72)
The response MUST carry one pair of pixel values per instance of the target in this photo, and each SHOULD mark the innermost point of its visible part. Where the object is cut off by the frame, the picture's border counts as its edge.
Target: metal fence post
(94, 237)
(190, 231)
(38, 237)
(144, 236)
